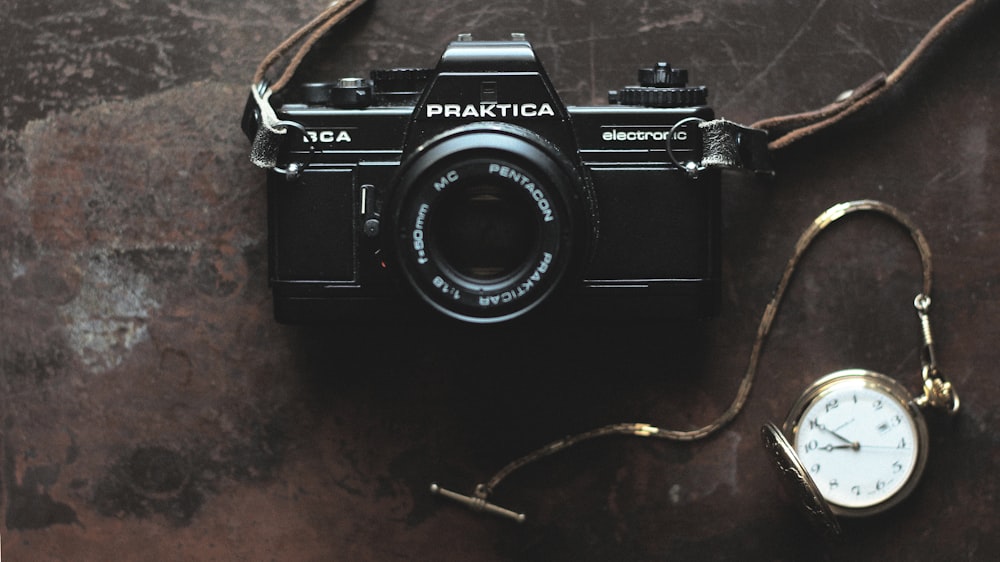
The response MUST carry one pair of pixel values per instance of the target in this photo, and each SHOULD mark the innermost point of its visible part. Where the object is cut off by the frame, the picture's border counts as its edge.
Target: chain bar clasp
(938, 392)
(477, 502)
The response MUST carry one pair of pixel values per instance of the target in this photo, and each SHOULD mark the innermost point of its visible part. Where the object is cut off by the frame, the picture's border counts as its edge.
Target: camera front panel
(325, 261)
(657, 225)
(313, 229)
(658, 251)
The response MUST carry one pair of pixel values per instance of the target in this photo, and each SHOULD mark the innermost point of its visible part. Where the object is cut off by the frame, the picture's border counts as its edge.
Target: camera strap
(786, 130)
(726, 144)
(270, 129)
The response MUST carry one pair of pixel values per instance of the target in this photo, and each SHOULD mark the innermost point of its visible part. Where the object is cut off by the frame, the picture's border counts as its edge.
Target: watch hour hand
(850, 444)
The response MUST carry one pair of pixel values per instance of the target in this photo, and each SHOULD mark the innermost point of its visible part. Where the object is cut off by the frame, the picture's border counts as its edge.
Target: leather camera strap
(269, 129)
(727, 144)
(785, 130)
(307, 36)
(733, 146)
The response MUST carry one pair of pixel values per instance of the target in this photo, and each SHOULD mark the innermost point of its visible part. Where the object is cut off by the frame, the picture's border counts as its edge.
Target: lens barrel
(487, 221)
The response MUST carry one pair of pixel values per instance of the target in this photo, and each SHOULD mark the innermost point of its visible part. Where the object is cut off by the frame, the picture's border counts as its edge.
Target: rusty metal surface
(151, 409)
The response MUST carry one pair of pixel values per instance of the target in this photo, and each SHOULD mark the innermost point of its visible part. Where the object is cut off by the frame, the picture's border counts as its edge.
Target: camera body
(472, 188)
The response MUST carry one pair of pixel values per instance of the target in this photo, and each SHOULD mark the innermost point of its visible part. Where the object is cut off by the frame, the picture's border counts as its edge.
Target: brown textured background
(151, 409)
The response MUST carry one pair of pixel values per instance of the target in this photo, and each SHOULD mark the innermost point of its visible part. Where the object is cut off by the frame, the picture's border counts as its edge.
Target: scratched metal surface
(151, 409)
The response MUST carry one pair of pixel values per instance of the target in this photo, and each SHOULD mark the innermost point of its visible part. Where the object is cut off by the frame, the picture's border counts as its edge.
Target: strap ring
(691, 168)
(294, 169)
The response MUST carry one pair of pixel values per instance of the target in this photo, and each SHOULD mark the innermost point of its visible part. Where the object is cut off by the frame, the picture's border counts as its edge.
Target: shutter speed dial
(660, 86)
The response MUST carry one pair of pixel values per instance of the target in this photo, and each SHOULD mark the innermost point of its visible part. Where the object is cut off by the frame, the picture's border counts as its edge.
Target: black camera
(473, 188)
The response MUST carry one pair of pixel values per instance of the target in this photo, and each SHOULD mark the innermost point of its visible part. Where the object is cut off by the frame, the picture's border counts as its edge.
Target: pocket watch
(855, 442)
(857, 446)
(860, 438)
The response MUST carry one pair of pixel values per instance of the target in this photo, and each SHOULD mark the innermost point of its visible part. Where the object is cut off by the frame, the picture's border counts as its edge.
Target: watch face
(860, 439)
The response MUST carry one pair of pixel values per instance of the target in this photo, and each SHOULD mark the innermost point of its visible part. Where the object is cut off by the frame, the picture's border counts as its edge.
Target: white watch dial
(860, 441)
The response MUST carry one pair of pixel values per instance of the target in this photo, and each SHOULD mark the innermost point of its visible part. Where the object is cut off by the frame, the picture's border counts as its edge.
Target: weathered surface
(151, 408)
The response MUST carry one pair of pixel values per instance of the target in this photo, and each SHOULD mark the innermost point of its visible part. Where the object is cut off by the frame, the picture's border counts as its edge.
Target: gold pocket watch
(856, 440)
(861, 440)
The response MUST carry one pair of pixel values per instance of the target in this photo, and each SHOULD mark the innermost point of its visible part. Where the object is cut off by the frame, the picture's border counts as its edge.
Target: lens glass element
(485, 231)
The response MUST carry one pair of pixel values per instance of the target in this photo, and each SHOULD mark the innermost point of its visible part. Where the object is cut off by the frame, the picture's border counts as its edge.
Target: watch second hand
(885, 447)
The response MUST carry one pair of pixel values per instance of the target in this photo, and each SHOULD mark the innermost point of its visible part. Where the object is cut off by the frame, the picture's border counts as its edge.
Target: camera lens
(488, 220)
(484, 231)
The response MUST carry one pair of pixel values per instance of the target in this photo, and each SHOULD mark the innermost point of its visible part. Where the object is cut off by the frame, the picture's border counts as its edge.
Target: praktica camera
(473, 190)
